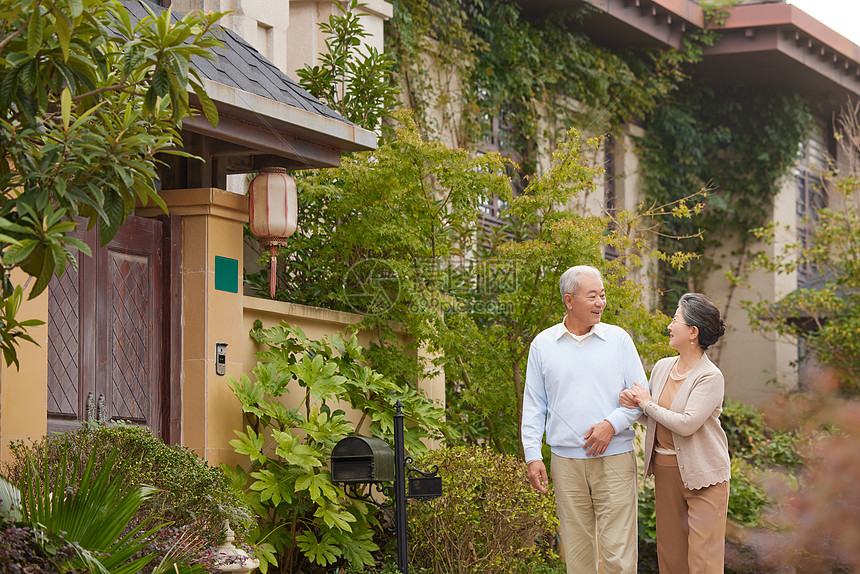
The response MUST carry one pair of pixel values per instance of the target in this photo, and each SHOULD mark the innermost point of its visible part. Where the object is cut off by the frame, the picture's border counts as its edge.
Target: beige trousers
(691, 524)
(596, 504)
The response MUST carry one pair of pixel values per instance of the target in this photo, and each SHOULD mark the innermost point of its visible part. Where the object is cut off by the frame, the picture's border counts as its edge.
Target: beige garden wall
(24, 392)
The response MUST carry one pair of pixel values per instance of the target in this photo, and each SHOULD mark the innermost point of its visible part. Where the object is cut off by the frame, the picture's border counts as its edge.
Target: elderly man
(576, 371)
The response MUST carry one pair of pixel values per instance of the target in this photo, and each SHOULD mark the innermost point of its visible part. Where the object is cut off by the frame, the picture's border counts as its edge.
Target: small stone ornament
(232, 559)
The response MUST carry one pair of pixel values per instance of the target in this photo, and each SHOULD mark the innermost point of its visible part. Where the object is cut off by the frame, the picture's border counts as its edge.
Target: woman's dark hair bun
(700, 312)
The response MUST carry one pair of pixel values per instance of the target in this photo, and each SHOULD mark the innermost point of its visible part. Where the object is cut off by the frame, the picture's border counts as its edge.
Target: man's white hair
(570, 279)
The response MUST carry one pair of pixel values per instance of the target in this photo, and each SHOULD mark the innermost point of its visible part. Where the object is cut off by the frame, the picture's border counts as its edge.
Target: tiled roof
(240, 66)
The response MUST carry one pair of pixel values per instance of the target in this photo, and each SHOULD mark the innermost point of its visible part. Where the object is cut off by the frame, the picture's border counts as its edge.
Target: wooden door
(106, 332)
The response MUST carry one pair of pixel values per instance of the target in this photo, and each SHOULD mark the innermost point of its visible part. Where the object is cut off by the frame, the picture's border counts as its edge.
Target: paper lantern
(273, 203)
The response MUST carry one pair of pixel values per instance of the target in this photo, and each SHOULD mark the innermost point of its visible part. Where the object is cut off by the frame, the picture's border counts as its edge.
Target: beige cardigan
(694, 419)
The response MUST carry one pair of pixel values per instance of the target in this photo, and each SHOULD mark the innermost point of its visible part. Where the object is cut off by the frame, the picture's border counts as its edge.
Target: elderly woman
(685, 447)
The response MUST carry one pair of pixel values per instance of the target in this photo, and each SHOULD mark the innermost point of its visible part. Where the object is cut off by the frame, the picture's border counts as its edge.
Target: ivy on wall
(737, 140)
(538, 77)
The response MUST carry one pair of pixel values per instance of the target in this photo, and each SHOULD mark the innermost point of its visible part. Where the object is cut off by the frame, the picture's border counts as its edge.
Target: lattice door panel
(130, 341)
(63, 351)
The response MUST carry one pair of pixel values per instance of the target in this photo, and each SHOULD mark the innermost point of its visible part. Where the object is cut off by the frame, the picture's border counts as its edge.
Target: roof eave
(252, 125)
(328, 131)
(779, 44)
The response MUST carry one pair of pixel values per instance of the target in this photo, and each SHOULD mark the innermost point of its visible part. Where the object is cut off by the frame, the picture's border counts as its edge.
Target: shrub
(753, 440)
(815, 526)
(190, 492)
(746, 498)
(744, 425)
(647, 515)
(307, 523)
(78, 514)
(489, 520)
(780, 449)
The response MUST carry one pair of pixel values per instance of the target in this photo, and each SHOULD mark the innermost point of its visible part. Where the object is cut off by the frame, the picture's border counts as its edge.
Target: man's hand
(538, 476)
(597, 438)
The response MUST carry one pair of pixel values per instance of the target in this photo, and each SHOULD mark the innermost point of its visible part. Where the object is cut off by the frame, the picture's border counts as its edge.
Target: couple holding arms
(585, 387)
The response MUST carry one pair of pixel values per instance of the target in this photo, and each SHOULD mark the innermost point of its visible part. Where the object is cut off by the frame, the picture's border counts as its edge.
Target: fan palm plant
(92, 510)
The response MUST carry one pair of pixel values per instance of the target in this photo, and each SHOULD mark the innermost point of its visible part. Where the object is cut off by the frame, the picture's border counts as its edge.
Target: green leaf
(209, 109)
(267, 555)
(40, 266)
(322, 551)
(15, 254)
(161, 82)
(319, 376)
(27, 76)
(76, 7)
(64, 31)
(250, 444)
(271, 487)
(335, 517)
(296, 453)
(66, 107)
(250, 394)
(114, 209)
(318, 485)
(35, 29)
(8, 86)
(356, 547)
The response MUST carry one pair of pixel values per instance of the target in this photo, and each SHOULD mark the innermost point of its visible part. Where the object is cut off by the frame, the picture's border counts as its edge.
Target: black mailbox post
(359, 460)
(362, 460)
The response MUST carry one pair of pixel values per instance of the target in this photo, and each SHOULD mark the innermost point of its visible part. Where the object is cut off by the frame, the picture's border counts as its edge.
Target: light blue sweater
(570, 387)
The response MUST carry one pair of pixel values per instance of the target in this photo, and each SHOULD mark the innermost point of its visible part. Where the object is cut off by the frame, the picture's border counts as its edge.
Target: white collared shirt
(580, 340)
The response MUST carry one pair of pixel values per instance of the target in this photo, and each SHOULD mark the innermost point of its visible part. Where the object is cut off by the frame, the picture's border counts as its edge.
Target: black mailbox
(361, 459)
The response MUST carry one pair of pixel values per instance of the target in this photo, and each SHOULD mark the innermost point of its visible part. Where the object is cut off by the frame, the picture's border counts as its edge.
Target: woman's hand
(639, 394)
(626, 399)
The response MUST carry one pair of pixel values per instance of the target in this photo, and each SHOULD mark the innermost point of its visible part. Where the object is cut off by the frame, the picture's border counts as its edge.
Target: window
(610, 199)
(812, 161)
(498, 137)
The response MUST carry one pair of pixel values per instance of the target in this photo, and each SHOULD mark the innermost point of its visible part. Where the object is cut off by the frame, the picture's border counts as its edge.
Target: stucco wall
(24, 392)
(755, 365)
(316, 324)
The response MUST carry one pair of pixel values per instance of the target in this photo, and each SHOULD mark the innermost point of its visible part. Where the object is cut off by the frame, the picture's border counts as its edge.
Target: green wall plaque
(226, 274)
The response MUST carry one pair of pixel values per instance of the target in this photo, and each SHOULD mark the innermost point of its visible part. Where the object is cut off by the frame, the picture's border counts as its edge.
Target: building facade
(763, 44)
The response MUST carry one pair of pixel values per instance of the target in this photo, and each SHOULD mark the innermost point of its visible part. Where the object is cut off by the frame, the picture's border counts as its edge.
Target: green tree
(87, 101)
